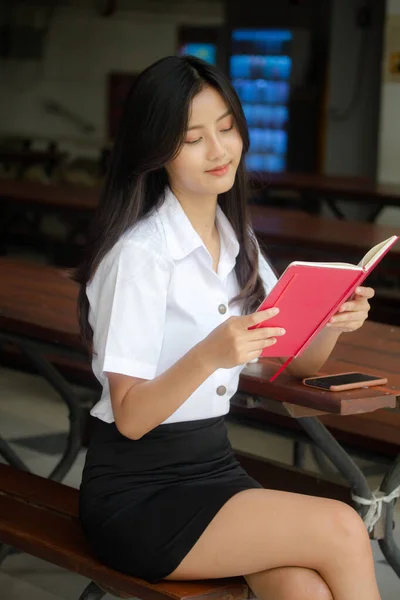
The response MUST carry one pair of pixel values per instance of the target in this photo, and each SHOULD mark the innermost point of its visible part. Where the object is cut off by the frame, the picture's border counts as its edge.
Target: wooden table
(299, 230)
(57, 197)
(39, 302)
(331, 189)
(28, 202)
(273, 226)
(38, 314)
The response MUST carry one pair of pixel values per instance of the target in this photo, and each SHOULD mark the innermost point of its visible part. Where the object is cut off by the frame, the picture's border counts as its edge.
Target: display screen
(260, 70)
(326, 382)
(206, 51)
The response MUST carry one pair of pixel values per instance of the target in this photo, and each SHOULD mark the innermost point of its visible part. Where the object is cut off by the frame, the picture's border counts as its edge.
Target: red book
(308, 294)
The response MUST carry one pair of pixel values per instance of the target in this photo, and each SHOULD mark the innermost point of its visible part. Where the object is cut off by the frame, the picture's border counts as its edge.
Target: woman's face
(211, 152)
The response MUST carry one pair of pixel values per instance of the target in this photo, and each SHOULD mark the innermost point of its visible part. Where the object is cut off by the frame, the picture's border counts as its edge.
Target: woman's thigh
(259, 529)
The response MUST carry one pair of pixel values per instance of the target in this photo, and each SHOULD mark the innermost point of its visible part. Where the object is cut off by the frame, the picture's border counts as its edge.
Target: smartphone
(344, 381)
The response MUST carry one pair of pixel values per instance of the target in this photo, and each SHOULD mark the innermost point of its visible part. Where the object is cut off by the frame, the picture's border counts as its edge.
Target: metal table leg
(75, 413)
(299, 454)
(4, 552)
(389, 548)
(374, 206)
(92, 592)
(383, 531)
(10, 456)
(321, 460)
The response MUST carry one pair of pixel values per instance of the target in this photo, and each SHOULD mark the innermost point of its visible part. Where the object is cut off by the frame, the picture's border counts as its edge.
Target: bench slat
(58, 539)
(60, 498)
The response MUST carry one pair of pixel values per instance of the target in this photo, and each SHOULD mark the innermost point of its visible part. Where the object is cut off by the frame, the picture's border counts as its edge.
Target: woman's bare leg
(258, 530)
(289, 583)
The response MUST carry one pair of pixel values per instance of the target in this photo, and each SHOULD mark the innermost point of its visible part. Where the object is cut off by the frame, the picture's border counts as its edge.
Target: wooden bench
(40, 517)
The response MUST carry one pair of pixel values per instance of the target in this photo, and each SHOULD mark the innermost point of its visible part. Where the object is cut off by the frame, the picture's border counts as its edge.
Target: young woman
(169, 288)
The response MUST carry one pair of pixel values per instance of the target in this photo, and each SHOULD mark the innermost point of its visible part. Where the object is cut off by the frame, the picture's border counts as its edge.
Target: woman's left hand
(352, 314)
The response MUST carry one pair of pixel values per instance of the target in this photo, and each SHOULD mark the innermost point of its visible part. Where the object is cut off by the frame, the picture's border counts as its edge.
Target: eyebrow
(228, 112)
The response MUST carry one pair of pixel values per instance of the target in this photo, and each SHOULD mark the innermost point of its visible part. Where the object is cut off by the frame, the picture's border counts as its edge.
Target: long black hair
(151, 132)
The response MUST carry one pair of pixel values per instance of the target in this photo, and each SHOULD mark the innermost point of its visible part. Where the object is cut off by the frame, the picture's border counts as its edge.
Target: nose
(216, 149)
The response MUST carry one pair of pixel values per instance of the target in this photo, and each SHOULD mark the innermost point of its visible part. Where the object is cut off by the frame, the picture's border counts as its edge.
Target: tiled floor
(33, 417)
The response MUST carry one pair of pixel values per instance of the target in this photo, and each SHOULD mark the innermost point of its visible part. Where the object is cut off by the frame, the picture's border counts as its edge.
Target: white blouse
(155, 295)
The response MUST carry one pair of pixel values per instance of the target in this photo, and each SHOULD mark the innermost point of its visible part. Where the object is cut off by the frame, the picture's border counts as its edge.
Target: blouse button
(221, 390)
(222, 309)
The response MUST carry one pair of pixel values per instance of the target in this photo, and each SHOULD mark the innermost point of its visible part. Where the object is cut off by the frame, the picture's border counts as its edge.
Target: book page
(366, 262)
(329, 265)
(374, 254)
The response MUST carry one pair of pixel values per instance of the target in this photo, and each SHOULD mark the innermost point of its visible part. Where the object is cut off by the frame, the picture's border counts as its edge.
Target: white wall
(74, 74)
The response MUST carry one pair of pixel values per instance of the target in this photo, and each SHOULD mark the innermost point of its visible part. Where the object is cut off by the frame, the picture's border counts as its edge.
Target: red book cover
(308, 294)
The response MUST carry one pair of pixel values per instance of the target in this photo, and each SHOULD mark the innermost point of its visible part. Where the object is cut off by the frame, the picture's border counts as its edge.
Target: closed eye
(194, 141)
(228, 129)
(191, 142)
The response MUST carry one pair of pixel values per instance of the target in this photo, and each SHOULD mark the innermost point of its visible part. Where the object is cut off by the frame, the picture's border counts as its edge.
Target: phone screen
(326, 382)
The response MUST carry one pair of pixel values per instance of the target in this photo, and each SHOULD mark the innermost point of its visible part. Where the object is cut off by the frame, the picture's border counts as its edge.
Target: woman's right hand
(232, 343)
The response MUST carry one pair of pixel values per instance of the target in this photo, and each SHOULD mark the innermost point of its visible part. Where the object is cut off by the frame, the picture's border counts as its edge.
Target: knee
(348, 528)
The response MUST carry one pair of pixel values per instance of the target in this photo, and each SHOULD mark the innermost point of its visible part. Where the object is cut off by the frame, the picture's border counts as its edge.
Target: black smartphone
(344, 381)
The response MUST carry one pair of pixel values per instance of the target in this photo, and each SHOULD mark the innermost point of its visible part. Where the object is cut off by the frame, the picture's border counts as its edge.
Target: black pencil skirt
(144, 503)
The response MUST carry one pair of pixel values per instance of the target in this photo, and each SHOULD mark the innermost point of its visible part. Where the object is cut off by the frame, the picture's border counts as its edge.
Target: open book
(368, 262)
(308, 294)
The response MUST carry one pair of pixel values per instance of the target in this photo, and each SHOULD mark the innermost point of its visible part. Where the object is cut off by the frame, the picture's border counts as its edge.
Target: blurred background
(320, 85)
(313, 76)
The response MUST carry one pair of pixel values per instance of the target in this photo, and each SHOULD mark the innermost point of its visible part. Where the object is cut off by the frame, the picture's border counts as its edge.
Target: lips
(219, 170)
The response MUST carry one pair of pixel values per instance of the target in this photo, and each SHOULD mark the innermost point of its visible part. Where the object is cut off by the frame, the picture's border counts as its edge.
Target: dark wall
(276, 13)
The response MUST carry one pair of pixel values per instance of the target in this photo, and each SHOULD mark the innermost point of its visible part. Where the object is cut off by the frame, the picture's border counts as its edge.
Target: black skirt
(144, 503)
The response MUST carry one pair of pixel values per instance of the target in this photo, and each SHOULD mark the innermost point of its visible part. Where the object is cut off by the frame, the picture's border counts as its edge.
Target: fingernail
(282, 331)
(275, 311)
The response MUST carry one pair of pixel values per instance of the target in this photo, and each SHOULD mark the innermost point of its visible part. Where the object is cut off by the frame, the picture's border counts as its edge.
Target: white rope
(375, 505)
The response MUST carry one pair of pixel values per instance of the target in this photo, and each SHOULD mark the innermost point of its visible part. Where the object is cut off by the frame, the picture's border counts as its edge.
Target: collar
(182, 238)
